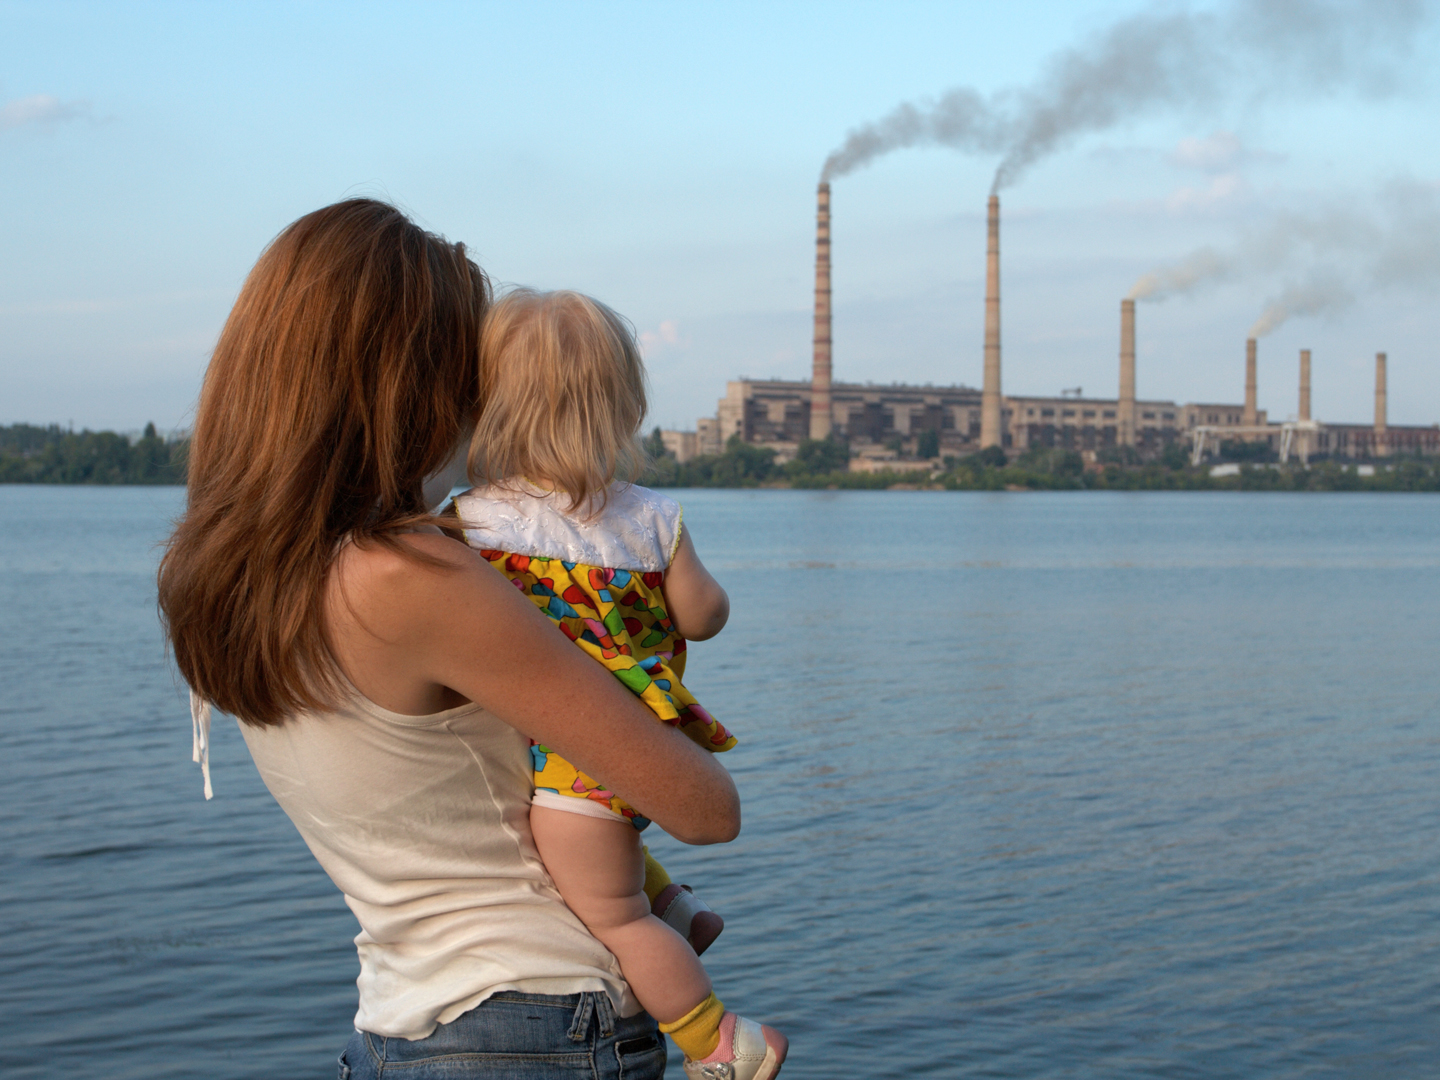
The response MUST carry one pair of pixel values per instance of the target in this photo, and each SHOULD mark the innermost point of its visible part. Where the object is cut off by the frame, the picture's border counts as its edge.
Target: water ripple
(1036, 785)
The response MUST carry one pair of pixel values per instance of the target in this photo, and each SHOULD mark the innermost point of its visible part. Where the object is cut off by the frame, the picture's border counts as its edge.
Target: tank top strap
(200, 738)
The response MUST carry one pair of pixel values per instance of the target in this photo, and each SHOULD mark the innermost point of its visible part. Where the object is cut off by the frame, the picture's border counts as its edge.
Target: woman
(308, 592)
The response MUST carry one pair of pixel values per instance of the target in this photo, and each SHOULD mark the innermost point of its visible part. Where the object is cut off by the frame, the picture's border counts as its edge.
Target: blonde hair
(564, 393)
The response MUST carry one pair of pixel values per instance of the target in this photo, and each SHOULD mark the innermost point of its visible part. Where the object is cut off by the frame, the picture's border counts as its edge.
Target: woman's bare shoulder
(396, 612)
(409, 579)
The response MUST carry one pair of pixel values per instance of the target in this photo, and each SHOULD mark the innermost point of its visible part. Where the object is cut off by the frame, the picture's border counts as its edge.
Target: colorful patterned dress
(599, 580)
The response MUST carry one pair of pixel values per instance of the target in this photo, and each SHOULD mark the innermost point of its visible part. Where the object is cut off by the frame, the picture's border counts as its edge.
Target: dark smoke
(1161, 59)
(961, 120)
(1323, 292)
(1325, 259)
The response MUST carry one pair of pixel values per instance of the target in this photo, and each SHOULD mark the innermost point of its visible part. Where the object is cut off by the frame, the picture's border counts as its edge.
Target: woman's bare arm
(694, 600)
(416, 639)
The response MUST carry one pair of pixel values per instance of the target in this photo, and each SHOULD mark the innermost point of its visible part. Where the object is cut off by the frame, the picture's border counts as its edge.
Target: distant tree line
(822, 464)
(743, 465)
(31, 454)
(1124, 470)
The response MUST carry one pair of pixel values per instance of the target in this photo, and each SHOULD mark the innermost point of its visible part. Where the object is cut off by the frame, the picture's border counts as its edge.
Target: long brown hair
(347, 372)
(564, 390)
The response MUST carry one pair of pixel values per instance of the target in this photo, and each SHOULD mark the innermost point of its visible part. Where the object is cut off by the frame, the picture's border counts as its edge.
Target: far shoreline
(1239, 484)
(51, 455)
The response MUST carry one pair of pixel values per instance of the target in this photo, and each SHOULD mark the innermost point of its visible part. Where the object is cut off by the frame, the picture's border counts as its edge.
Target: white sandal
(747, 1051)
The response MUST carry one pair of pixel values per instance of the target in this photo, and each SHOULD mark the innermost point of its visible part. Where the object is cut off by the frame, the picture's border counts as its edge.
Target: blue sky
(663, 157)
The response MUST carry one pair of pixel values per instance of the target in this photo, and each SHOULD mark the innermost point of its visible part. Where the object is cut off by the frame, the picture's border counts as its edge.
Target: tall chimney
(1248, 417)
(990, 392)
(820, 369)
(1126, 434)
(1304, 384)
(1382, 444)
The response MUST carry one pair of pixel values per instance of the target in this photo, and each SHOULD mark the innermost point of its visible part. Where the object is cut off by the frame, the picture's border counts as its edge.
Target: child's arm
(694, 600)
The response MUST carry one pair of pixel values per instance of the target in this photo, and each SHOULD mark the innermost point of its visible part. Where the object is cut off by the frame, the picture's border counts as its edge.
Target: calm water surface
(1036, 785)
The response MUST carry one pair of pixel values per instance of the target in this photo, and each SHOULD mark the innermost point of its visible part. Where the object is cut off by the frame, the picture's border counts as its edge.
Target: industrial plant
(886, 425)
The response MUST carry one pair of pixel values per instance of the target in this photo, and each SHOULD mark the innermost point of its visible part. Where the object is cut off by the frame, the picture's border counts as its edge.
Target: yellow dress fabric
(618, 617)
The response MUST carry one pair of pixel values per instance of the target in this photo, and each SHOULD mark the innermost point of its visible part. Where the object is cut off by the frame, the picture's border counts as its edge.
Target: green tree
(1118, 455)
(742, 465)
(1174, 456)
(817, 456)
(654, 444)
(149, 459)
(1051, 461)
(52, 455)
(1244, 450)
(927, 444)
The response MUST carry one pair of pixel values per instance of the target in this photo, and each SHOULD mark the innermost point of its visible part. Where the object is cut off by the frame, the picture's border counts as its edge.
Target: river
(1036, 785)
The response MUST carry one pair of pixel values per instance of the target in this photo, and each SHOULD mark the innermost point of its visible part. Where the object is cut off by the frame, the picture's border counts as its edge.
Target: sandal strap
(683, 908)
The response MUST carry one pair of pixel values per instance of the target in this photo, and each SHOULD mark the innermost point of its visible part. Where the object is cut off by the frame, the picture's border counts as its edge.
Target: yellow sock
(656, 879)
(697, 1033)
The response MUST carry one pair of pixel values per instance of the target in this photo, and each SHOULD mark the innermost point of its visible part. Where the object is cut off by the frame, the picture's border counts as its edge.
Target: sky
(663, 157)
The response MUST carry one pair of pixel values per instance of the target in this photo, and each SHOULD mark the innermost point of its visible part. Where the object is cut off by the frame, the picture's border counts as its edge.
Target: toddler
(613, 566)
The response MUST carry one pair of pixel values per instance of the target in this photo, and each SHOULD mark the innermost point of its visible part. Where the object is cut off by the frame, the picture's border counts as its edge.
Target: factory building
(1364, 442)
(876, 419)
(681, 445)
(777, 414)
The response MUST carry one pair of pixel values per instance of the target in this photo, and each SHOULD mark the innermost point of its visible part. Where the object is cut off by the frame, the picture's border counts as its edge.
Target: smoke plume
(1199, 267)
(1323, 293)
(1325, 259)
(961, 120)
(1161, 59)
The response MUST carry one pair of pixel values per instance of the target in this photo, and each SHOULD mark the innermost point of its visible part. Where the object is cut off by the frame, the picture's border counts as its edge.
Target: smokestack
(1126, 434)
(990, 392)
(820, 369)
(1382, 444)
(1304, 384)
(1248, 417)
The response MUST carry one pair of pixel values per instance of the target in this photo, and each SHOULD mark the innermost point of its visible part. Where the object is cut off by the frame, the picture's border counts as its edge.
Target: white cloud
(1223, 190)
(1217, 152)
(41, 109)
(667, 333)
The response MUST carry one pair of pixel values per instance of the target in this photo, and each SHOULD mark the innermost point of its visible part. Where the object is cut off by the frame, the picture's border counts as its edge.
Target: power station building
(883, 422)
(777, 413)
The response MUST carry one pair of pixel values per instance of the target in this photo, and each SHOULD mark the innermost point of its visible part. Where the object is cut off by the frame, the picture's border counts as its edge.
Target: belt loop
(605, 1013)
(580, 1025)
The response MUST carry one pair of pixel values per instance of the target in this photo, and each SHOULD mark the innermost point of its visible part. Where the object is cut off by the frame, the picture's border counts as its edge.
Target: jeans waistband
(586, 1005)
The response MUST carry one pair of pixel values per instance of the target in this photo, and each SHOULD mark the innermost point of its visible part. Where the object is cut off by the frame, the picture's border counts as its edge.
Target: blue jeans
(515, 1036)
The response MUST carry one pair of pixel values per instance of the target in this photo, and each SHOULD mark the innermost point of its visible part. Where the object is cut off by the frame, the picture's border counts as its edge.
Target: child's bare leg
(599, 868)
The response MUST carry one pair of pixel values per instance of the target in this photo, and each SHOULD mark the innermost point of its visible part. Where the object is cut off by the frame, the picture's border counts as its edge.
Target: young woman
(382, 673)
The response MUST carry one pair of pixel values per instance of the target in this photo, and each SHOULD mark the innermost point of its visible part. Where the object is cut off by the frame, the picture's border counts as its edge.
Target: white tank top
(423, 823)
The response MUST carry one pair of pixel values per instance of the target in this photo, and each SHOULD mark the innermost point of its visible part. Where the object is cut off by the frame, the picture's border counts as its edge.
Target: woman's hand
(417, 638)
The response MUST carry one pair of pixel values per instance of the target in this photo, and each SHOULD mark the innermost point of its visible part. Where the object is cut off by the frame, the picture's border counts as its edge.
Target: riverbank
(31, 454)
(742, 465)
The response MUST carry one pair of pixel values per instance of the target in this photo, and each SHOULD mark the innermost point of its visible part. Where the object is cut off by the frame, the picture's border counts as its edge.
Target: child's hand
(694, 600)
